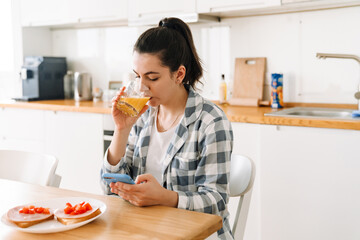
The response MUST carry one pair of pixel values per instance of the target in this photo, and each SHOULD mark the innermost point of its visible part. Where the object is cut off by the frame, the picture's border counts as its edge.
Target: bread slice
(26, 220)
(68, 219)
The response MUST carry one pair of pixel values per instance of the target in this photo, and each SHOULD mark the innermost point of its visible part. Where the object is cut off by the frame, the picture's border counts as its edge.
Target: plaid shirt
(197, 162)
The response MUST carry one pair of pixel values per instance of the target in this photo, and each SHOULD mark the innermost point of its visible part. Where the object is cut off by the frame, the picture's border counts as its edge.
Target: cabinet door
(213, 6)
(22, 129)
(98, 10)
(76, 140)
(303, 5)
(309, 183)
(44, 12)
(57, 12)
(246, 142)
(161, 8)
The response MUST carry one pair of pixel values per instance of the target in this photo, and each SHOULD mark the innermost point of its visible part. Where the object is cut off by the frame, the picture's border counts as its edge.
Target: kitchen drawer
(22, 124)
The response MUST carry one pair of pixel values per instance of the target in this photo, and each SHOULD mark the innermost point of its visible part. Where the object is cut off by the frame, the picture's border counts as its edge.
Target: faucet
(346, 56)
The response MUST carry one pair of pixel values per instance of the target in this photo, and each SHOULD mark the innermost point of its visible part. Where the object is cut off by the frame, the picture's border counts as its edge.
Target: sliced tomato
(39, 210)
(32, 210)
(24, 210)
(77, 209)
(88, 206)
(46, 211)
(68, 210)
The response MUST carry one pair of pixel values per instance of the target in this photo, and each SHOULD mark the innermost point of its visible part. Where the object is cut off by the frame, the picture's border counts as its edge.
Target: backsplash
(288, 41)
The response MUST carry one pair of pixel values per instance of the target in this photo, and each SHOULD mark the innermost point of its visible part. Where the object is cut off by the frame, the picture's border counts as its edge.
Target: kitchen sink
(311, 112)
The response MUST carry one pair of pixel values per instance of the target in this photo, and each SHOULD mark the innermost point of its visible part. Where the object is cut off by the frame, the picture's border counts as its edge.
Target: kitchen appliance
(42, 78)
(83, 86)
(109, 128)
(69, 85)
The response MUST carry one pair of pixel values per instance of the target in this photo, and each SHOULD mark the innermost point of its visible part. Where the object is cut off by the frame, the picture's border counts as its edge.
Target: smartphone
(117, 177)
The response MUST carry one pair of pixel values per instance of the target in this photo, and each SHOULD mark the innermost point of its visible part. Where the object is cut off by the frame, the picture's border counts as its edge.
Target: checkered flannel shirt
(197, 162)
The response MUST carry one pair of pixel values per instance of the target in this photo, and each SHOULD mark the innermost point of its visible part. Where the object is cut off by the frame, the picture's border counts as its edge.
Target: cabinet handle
(47, 23)
(141, 14)
(98, 19)
(236, 6)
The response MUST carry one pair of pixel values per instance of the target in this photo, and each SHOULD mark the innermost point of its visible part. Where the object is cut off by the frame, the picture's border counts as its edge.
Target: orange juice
(131, 105)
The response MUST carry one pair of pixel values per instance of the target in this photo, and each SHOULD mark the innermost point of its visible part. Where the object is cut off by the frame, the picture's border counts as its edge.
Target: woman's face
(158, 78)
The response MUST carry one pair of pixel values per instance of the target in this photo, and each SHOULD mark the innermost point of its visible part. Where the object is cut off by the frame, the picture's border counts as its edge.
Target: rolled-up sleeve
(123, 166)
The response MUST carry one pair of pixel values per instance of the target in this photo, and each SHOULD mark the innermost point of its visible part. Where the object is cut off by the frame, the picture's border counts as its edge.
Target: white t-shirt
(159, 143)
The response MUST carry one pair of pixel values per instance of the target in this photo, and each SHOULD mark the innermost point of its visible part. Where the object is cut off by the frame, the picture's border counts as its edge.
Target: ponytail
(172, 41)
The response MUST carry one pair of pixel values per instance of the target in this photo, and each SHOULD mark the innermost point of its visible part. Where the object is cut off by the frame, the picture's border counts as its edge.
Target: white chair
(35, 168)
(242, 174)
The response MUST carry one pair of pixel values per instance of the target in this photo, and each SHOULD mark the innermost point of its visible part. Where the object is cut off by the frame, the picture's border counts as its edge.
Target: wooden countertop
(61, 105)
(234, 113)
(120, 221)
(256, 115)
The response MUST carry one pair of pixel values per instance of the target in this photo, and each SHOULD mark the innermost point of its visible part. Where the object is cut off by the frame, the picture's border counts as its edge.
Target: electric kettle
(83, 86)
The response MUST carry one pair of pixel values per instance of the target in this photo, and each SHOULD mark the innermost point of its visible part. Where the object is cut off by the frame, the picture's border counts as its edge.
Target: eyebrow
(151, 72)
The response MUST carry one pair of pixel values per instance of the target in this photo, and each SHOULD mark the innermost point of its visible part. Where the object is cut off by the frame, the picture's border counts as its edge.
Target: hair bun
(166, 23)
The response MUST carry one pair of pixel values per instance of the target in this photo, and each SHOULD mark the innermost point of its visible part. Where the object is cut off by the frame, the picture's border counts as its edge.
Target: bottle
(222, 90)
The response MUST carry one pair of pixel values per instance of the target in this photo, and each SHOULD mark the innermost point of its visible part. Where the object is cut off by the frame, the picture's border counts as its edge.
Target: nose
(143, 87)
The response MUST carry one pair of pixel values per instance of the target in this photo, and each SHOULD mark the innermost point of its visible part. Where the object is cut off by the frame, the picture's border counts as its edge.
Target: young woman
(178, 148)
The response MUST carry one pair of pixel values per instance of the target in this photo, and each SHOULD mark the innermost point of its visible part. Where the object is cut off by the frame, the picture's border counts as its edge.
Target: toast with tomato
(77, 213)
(26, 216)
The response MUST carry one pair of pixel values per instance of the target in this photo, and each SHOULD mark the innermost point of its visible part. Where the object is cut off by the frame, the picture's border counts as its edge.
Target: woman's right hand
(123, 121)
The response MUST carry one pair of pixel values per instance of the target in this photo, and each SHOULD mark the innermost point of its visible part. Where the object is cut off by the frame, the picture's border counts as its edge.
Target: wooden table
(120, 221)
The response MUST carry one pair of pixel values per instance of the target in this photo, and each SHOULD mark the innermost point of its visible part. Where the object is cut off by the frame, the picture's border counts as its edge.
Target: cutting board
(248, 81)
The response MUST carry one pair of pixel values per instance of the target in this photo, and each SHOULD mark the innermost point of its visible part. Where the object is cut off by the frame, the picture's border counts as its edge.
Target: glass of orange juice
(133, 99)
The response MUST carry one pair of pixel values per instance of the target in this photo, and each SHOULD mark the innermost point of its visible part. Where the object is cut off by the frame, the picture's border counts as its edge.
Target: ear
(180, 74)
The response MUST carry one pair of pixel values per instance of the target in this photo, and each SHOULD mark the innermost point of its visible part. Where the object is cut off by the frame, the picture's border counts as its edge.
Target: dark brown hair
(172, 41)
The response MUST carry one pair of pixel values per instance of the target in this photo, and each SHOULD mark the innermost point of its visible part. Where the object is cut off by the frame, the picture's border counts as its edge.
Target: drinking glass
(133, 98)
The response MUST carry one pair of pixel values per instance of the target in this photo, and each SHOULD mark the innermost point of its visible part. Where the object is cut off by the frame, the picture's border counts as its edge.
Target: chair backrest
(29, 167)
(242, 174)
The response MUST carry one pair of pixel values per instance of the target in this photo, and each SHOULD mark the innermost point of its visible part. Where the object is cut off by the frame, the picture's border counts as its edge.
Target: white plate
(53, 225)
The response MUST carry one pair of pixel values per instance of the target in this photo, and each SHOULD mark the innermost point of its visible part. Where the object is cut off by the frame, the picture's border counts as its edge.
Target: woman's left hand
(146, 192)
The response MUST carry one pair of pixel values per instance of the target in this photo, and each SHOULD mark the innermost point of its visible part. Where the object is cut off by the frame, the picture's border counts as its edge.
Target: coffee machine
(43, 78)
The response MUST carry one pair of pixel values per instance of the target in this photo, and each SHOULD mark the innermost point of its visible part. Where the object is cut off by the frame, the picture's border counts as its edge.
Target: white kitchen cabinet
(76, 139)
(22, 129)
(246, 142)
(238, 8)
(306, 185)
(44, 12)
(317, 4)
(154, 11)
(84, 11)
(309, 183)
(215, 6)
(305, 5)
(319, 1)
(71, 12)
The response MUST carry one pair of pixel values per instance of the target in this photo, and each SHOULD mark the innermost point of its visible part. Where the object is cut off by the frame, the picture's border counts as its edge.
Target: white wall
(103, 52)
(288, 41)
(10, 49)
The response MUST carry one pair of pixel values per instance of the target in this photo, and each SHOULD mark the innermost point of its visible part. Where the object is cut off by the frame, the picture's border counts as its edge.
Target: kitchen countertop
(234, 113)
(61, 105)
